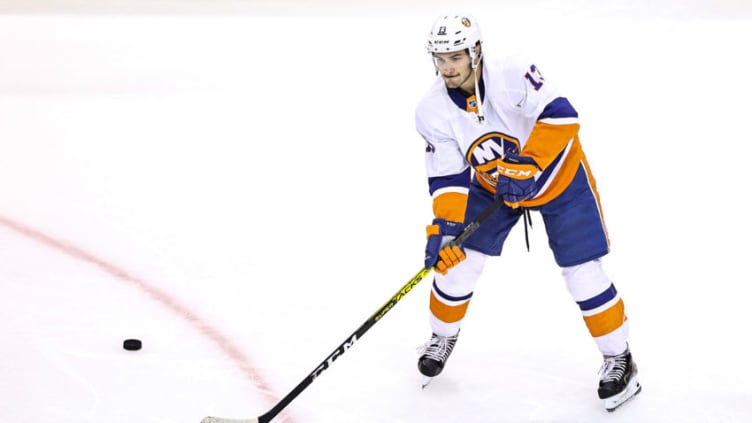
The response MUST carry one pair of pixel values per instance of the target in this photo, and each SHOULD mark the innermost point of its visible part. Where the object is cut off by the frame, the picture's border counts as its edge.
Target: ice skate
(434, 355)
(618, 380)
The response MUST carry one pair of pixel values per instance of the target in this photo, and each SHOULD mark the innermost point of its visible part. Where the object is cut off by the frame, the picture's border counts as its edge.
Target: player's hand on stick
(515, 181)
(438, 253)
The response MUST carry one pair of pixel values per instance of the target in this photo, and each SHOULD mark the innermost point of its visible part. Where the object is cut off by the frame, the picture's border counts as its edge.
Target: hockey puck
(132, 344)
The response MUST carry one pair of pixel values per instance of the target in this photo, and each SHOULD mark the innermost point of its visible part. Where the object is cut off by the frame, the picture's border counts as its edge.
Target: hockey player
(500, 129)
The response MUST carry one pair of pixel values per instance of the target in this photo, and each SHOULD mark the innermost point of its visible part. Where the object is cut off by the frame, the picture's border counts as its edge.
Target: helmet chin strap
(478, 101)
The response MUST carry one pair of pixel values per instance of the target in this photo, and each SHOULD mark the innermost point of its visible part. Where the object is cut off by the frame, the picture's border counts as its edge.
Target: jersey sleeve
(447, 171)
(556, 121)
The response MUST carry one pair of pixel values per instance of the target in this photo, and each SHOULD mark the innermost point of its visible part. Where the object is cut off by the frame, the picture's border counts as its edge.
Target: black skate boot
(434, 355)
(618, 380)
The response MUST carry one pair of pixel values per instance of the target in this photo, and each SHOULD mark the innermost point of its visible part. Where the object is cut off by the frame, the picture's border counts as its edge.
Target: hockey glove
(515, 181)
(438, 254)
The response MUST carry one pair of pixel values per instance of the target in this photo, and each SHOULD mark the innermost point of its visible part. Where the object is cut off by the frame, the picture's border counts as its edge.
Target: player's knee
(464, 276)
(586, 280)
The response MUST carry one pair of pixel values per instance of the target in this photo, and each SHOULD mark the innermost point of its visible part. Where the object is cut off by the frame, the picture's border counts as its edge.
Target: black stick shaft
(375, 317)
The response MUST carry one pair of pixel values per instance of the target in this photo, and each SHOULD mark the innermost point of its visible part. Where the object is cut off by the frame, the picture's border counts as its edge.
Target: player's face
(455, 68)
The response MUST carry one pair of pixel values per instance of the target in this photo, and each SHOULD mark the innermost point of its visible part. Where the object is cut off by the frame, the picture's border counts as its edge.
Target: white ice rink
(240, 185)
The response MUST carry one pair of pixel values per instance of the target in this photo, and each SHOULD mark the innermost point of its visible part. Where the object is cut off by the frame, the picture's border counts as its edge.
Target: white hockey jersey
(524, 114)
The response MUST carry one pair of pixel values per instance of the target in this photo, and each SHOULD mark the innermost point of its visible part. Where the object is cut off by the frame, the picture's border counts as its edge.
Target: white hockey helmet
(455, 32)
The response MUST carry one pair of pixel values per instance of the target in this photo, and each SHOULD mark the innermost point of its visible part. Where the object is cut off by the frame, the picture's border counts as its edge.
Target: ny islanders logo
(484, 152)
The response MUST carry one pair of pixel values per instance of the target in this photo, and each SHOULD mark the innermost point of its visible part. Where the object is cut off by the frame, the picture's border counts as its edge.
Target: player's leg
(578, 237)
(451, 293)
(450, 298)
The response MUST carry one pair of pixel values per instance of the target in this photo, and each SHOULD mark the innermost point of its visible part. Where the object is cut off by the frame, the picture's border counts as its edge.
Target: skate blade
(426, 380)
(616, 401)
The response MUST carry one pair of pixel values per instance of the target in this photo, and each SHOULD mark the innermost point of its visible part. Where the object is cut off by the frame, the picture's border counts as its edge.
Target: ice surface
(242, 190)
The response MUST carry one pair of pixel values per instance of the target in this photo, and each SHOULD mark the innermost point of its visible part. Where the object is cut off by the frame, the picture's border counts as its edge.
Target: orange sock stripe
(606, 321)
(447, 313)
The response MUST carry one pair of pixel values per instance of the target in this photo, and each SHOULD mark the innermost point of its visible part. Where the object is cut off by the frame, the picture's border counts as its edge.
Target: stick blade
(211, 419)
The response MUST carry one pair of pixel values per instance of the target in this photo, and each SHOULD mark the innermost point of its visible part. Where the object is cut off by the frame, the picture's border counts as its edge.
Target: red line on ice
(162, 297)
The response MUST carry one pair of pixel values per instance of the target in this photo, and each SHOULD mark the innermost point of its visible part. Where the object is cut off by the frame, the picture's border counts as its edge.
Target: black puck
(132, 344)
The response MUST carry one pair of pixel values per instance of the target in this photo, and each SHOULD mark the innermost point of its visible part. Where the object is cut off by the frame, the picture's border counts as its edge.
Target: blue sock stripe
(449, 297)
(599, 299)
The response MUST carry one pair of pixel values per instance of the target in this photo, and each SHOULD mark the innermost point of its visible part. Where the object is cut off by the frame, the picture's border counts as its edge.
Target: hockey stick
(355, 336)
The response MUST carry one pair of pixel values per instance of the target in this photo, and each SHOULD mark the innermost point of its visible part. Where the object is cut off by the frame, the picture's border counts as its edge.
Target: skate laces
(438, 348)
(613, 368)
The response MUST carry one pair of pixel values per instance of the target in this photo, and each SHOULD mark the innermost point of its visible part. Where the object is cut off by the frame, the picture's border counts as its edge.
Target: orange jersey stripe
(546, 141)
(450, 206)
(563, 176)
